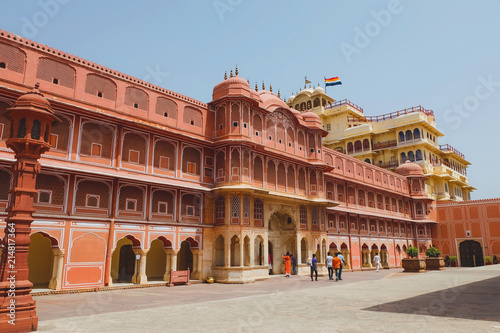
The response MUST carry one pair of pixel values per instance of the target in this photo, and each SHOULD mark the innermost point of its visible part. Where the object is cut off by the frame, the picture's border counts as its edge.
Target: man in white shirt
(376, 260)
(329, 260)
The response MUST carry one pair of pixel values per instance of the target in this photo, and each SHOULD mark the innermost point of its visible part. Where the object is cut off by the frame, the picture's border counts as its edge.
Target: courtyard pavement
(454, 300)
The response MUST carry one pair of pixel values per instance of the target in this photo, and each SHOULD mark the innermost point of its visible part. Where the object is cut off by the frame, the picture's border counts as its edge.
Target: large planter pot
(414, 265)
(434, 263)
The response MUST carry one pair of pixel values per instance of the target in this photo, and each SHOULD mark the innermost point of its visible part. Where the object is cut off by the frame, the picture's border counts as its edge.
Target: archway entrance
(185, 257)
(282, 238)
(123, 260)
(271, 257)
(156, 261)
(40, 260)
(471, 253)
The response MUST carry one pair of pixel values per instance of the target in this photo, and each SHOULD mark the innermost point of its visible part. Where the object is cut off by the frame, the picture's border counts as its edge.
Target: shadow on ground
(478, 301)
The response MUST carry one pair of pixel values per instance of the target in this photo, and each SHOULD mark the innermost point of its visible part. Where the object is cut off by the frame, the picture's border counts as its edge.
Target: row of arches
(308, 105)
(278, 129)
(46, 260)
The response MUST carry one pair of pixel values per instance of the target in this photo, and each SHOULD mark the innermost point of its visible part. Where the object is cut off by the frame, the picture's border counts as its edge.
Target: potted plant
(434, 261)
(447, 261)
(495, 260)
(488, 260)
(413, 264)
(453, 261)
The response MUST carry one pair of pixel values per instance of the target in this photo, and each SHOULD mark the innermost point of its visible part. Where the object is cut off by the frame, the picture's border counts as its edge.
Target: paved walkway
(454, 300)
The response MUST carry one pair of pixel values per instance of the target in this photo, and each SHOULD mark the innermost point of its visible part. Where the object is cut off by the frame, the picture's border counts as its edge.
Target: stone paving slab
(454, 300)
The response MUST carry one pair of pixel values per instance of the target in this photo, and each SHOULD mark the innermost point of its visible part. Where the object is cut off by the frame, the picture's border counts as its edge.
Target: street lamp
(31, 123)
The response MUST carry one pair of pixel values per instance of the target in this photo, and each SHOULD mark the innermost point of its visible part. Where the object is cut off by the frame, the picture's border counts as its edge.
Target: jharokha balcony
(344, 102)
(392, 115)
(447, 147)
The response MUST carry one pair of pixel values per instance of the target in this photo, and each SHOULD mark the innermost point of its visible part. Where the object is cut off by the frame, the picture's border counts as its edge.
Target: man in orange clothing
(336, 265)
(287, 264)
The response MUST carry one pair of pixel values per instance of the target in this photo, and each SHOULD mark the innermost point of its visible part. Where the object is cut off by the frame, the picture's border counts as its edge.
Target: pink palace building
(224, 188)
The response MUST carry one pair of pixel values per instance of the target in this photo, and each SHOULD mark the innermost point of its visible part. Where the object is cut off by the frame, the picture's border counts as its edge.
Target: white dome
(291, 98)
(319, 89)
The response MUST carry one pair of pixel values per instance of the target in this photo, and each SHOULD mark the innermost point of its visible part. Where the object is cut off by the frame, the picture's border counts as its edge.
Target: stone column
(57, 269)
(242, 252)
(227, 252)
(171, 263)
(252, 253)
(196, 259)
(140, 268)
(299, 250)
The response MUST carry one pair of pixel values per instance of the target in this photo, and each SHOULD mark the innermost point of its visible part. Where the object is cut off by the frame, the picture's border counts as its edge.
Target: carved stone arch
(53, 240)
(77, 198)
(86, 138)
(141, 157)
(168, 160)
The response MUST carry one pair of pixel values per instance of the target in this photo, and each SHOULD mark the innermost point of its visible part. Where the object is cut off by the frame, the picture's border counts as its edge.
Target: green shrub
(432, 252)
(412, 252)
(488, 259)
(453, 259)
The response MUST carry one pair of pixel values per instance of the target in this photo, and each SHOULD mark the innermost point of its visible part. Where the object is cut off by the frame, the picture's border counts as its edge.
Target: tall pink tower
(31, 123)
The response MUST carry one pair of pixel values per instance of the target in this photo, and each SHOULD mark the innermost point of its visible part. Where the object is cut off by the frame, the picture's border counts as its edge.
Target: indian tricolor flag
(333, 81)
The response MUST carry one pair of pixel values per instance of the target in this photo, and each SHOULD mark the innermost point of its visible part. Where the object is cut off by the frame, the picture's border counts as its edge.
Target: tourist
(294, 264)
(270, 264)
(336, 264)
(376, 260)
(314, 267)
(329, 260)
(342, 263)
(287, 264)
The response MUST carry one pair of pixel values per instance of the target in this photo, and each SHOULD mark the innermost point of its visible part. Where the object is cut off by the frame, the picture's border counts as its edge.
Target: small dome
(291, 98)
(34, 97)
(319, 89)
(233, 85)
(409, 169)
(310, 115)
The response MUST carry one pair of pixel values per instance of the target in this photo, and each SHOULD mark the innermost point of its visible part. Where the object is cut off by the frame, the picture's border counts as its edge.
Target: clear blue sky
(438, 54)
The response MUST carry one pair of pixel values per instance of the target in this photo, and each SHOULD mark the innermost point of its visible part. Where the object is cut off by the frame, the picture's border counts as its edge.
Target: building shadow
(477, 301)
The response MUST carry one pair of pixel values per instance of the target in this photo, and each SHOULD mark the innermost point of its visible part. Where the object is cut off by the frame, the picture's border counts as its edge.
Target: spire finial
(279, 95)
(231, 73)
(271, 88)
(263, 87)
(256, 87)
(236, 70)
(248, 81)
(37, 85)
(225, 75)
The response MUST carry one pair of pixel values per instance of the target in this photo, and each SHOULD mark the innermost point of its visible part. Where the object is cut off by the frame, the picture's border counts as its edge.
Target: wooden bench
(179, 277)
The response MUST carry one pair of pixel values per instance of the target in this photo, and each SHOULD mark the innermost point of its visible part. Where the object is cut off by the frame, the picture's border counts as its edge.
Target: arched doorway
(282, 238)
(219, 252)
(235, 251)
(373, 253)
(123, 260)
(345, 253)
(398, 256)
(259, 251)
(246, 251)
(156, 260)
(303, 250)
(185, 257)
(384, 256)
(271, 257)
(365, 255)
(471, 253)
(40, 260)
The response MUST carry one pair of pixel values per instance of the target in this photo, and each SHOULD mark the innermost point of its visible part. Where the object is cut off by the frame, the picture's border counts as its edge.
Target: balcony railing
(391, 164)
(392, 115)
(450, 148)
(385, 144)
(440, 162)
(344, 102)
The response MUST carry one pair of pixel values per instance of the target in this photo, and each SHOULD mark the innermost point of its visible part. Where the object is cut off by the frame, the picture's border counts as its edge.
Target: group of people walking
(332, 263)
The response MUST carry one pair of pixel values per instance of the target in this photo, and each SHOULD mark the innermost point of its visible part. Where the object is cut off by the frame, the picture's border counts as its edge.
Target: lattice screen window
(322, 217)
(246, 207)
(258, 208)
(162, 207)
(92, 200)
(44, 196)
(303, 215)
(220, 207)
(235, 207)
(315, 215)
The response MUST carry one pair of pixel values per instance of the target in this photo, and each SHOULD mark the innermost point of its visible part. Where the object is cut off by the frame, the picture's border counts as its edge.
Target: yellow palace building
(389, 140)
